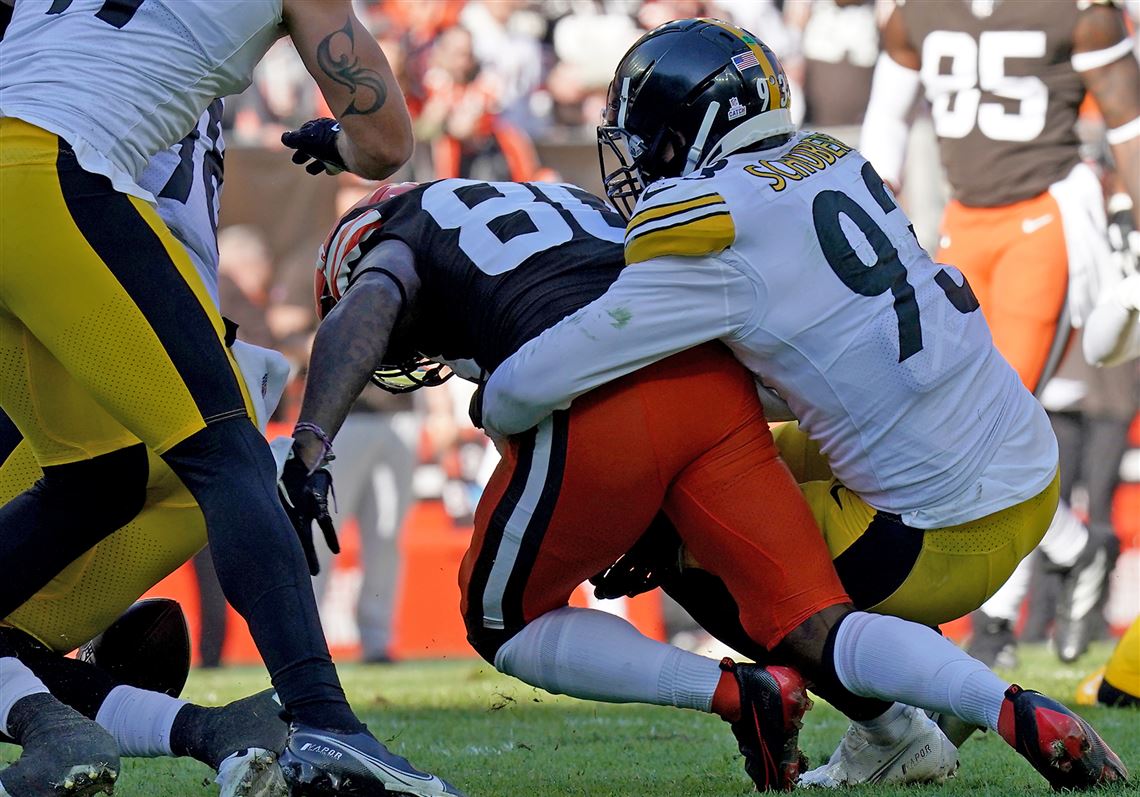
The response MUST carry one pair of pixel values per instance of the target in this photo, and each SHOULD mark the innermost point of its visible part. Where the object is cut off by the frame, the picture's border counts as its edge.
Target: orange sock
(726, 698)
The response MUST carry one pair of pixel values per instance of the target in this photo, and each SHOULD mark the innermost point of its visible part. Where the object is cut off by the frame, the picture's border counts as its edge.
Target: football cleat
(773, 701)
(1058, 743)
(1081, 588)
(922, 754)
(321, 763)
(215, 735)
(251, 773)
(65, 754)
(992, 642)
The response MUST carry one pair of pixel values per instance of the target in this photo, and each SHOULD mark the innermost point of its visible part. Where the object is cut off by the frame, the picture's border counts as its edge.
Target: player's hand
(316, 141)
(648, 564)
(1122, 233)
(305, 497)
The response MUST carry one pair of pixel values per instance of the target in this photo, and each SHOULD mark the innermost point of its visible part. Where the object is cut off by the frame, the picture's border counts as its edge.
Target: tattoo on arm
(336, 56)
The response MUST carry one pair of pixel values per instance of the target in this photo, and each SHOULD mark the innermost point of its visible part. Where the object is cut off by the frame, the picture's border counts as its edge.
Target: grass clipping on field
(493, 736)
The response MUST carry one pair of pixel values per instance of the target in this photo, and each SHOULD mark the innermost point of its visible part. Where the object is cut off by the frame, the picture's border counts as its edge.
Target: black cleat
(992, 641)
(1059, 744)
(320, 763)
(65, 754)
(241, 741)
(773, 701)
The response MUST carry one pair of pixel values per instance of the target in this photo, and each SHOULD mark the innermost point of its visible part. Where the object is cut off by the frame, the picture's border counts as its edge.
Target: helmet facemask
(413, 373)
(639, 162)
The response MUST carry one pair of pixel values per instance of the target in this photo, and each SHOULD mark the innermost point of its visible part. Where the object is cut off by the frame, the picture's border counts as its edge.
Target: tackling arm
(1103, 56)
(356, 80)
(893, 90)
(654, 309)
(351, 341)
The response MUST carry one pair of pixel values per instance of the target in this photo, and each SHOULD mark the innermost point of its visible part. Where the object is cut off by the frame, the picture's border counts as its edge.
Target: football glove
(316, 141)
(647, 565)
(1123, 236)
(305, 497)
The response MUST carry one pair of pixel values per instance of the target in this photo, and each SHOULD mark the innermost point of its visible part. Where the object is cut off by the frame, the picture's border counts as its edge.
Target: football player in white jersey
(122, 350)
(789, 248)
(240, 741)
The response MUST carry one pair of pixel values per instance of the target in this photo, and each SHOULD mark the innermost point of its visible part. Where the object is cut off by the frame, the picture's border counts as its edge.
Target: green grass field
(495, 737)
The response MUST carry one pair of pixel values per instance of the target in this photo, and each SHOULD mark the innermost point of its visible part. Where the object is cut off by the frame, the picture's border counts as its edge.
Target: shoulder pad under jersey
(678, 216)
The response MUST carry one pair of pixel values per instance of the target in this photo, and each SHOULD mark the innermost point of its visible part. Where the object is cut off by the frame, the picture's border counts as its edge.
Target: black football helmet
(685, 95)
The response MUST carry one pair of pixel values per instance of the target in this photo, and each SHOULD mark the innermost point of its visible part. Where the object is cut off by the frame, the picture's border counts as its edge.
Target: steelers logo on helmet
(687, 94)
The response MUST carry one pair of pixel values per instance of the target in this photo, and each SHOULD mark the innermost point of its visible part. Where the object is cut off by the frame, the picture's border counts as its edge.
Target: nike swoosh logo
(651, 192)
(881, 772)
(1030, 226)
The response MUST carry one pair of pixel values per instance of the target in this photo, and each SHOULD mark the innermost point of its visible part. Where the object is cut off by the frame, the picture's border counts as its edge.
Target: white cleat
(251, 773)
(921, 755)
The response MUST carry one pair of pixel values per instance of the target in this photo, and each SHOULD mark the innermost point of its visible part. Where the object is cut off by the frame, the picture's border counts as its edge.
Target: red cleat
(1058, 743)
(773, 701)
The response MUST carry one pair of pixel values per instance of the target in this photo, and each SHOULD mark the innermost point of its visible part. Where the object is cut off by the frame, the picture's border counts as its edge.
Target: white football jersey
(120, 80)
(800, 261)
(186, 181)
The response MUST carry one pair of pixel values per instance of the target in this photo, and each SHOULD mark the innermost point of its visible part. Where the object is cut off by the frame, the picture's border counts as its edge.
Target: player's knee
(221, 454)
(106, 491)
(487, 641)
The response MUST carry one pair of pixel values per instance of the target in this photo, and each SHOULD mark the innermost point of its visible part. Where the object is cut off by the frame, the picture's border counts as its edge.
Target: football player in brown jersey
(1026, 221)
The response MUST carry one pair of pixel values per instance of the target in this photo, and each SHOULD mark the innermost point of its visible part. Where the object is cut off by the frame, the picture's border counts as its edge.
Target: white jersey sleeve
(677, 291)
(186, 181)
(120, 80)
(652, 310)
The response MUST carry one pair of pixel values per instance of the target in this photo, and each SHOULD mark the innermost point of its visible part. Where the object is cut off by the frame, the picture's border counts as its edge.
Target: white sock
(597, 656)
(16, 683)
(139, 720)
(1005, 604)
(888, 727)
(1066, 538)
(892, 659)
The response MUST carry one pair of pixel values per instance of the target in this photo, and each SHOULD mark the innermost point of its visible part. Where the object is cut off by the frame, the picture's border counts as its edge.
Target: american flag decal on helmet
(744, 61)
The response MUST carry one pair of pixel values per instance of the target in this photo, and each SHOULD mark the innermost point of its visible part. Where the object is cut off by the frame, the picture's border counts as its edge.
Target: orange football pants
(686, 435)
(1015, 260)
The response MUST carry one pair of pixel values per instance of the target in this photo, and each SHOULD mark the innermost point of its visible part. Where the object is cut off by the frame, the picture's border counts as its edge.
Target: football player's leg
(800, 453)
(93, 591)
(63, 751)
(567, 500)
(134, 324)
(1026, 312)
(149, 724)
(971, 241)
(93, 480)
(1121, 684)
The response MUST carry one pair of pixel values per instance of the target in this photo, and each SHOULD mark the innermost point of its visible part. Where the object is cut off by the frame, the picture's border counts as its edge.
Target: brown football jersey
(1003, 93)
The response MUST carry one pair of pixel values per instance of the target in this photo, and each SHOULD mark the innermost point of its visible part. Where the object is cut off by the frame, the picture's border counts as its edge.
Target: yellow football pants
(107, 334)
(94, 590)
(929, 576)
(1123, 670)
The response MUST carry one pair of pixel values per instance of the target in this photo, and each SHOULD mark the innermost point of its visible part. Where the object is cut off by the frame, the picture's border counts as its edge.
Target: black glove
(305, 497)
(648, 564)
(316, 140)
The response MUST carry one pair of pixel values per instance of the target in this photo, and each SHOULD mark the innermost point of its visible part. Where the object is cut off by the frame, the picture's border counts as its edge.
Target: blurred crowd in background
(513, 90)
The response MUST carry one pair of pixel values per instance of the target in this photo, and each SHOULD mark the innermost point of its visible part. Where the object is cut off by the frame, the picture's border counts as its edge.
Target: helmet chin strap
(694, 156)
